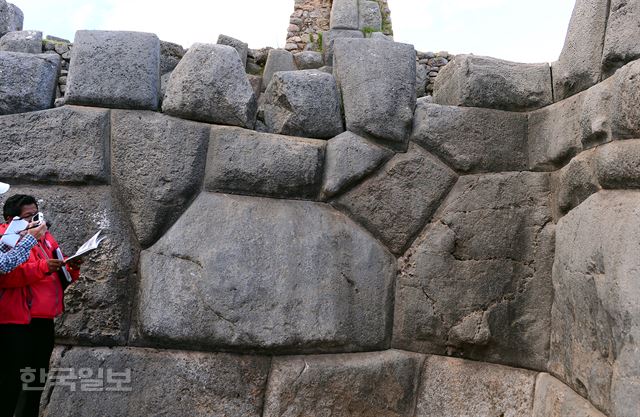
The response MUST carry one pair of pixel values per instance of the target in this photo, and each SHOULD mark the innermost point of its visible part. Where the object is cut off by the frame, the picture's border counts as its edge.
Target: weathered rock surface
(170, 55)
(205, 384)
(303, 103)
(578, 67)
(276, 275)
(379, 99)
(344, 14)
(11, 18)
(625, 92)
(622, 41)
(610, 109)
(618, 164)
(479, 81)
(396, 202)
(470, 139)
(348, 159)
(238, 45)
(362, 384)
(370, 18)
(158, 174)
(308, 60)
(65, 145)
(574, 183)
(277, 60)
(244, 161)
(28, 81)
(555, 399)
(477, 282)
(114, 69)
(98, 306)
(421, 80)
(329, 37)
(26, 41)
(555, 134)
(256, 84)
(455, 387)
(210, 85)
(595, 324)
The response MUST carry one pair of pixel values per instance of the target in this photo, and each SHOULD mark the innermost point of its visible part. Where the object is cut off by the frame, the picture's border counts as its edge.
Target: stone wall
(311, 18)
(315, 240)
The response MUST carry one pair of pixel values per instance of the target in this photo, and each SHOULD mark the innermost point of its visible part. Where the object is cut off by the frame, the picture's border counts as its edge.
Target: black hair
(14, 204)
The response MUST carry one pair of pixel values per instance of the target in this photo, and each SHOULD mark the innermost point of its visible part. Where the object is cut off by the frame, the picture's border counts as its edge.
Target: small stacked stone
(61, 47)
(309, 19)
(432, 63)
(387, 28)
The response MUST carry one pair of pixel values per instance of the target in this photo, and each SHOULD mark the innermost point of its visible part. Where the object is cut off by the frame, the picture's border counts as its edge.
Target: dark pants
(23, 346)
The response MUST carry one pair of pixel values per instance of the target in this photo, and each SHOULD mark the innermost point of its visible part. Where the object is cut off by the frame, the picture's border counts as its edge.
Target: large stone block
(170, 55)
(622, 41)
(344, 14)
(303, 103)
(396, 202)
(277, 60)
(595, 326)
(114, 69)
(241, 47)
(329, 37)
(361, 384)
(379, 99)
(210, 85)
(98, 306)
(28, 81)
(471, 139)
(308, 60)
(248, 162)
(272, 275)
(610, 109)
(578, 67)
(348, 159)
(625, 93)
(555, 399)
(205, 384)
(574, 183)
(618, 164)
(479, 81)
(157, 166)
(476, 283)
(370, 17)
(555, 134)
(26, 41)
(455, 387)
(65, 145)
(11, 17)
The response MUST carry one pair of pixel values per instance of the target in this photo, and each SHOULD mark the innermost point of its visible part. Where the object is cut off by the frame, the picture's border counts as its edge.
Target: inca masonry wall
(299, 234)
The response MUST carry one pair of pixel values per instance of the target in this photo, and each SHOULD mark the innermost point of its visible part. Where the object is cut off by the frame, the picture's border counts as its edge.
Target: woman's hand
(37, 232)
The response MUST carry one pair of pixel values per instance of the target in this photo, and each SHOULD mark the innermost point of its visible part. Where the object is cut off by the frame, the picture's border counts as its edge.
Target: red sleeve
(25, 274)
(75, 273)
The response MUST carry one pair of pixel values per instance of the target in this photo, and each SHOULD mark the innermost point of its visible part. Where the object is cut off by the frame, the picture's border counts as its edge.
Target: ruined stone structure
(311, 18)
(311, 240)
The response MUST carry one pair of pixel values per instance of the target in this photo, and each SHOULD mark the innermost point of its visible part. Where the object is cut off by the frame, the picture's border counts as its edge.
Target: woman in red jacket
(31, 296)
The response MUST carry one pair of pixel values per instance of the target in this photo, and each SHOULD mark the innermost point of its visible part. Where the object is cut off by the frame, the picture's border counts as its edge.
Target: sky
(516, 30)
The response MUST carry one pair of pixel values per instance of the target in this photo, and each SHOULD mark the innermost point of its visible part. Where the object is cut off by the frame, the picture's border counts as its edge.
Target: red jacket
(29, 290)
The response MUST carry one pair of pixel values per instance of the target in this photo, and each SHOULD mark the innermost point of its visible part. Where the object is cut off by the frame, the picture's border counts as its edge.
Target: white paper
(88, 246)
(11, 235)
